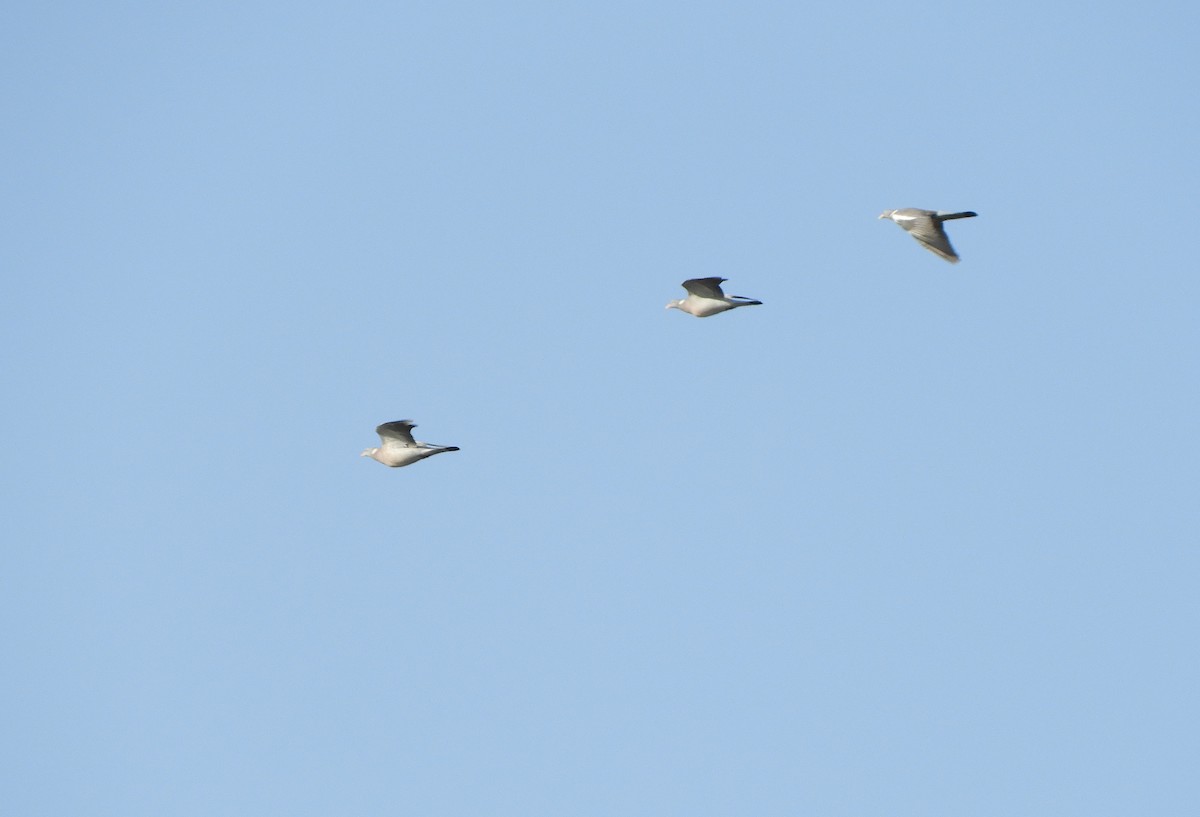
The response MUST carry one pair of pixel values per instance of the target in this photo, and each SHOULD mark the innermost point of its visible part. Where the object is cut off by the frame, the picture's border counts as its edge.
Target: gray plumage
(398, 448)
(926, 227)
(705, 297)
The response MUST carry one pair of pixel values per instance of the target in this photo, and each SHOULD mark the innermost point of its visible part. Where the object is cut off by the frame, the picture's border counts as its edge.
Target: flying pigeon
(398, 447)
(926, 227)
(705, 298)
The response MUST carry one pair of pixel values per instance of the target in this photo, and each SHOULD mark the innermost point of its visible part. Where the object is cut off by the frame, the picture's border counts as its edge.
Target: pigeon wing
(705, 287)
(932, 236)
(397, 434)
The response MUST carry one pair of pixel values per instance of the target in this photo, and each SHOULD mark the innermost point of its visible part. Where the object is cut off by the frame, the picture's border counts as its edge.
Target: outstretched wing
(705, 287)
(924, 227)
(397, 433)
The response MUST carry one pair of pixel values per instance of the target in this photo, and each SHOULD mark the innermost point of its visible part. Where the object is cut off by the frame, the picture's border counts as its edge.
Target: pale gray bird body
(398, 448)
(705, 297)
(926, 227)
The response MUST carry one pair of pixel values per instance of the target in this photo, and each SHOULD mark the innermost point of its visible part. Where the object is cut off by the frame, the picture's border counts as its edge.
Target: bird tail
(744, 301)
(949, 216)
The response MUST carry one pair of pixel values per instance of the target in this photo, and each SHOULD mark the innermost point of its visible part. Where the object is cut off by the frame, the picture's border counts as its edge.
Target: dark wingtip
(452, 448)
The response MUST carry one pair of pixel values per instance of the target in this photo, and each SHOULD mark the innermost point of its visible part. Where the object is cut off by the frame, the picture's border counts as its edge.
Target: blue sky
(911, 538)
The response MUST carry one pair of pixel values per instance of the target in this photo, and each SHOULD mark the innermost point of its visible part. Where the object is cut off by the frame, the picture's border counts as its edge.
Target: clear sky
(911, 538)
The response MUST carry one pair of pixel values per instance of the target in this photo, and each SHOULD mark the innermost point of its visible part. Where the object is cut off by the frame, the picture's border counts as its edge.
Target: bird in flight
(398, 448)
(705, 298)
(926, 227)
